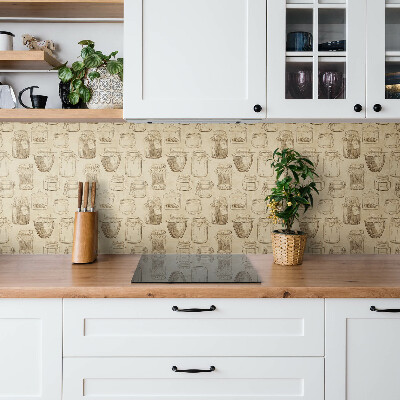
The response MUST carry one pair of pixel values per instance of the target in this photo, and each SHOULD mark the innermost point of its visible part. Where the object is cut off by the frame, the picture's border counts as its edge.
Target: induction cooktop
(195, 268)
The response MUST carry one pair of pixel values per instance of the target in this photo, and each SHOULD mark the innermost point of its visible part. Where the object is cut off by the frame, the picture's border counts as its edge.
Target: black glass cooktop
(195, 268)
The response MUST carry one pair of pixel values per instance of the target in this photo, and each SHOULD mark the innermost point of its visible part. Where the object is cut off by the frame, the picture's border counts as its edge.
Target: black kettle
(38, 101)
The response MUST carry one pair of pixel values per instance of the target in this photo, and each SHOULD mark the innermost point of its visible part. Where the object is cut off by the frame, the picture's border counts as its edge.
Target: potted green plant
(294, 187)
(95, 80)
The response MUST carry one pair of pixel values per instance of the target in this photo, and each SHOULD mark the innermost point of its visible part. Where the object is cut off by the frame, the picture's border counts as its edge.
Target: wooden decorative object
(84, 249)
(288, 249)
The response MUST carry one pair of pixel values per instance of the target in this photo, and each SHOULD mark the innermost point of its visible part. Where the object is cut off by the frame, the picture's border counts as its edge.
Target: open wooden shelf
(27, 60)
(62, 9)
(60, 115)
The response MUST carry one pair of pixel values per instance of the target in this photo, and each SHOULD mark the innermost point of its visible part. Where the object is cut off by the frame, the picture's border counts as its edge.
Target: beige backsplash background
(179, 188)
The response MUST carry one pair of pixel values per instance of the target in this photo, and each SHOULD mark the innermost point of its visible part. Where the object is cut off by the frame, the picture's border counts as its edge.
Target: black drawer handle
(175, 308)
(193, 371)
(394, 310)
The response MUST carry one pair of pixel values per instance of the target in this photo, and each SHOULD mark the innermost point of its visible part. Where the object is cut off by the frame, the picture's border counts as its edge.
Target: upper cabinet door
(316, 59)
(195, 59)
(383, 59)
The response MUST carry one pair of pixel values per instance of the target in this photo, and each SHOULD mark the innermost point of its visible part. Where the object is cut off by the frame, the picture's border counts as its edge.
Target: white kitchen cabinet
(195, 60)
(383, 59)
(30, 349)
(305, 80)
(362, 349)
(233, 378)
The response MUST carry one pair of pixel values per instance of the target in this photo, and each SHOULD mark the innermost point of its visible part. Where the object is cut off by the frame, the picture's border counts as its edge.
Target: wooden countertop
(322, 276)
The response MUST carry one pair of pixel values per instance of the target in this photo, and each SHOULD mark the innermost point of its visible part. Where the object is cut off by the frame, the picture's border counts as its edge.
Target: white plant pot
(106, 90)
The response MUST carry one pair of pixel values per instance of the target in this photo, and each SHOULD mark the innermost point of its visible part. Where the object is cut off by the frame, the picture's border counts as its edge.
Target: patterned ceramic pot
(106, 90)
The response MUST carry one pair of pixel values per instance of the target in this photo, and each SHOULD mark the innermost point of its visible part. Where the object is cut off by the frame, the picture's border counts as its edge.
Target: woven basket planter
(288, 249)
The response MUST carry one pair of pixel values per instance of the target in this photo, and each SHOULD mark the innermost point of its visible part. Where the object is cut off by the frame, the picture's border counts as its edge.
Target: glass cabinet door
(383, 59)
(316, 59)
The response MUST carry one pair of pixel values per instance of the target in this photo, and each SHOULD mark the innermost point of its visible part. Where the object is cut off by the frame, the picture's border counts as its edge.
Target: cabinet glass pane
(299, 28)
(392, 80)
(299, 79)
(392, 47)
(332, 78)
(393, 29)
(331, 29)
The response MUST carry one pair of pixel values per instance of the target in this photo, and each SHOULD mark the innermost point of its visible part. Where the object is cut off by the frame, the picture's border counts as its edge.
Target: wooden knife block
(84, 249)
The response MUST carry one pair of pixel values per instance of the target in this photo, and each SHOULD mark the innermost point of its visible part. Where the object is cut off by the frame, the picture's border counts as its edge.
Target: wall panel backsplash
(179, 188)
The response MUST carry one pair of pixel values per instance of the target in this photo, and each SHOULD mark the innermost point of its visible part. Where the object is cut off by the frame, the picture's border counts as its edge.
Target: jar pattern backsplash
(195, 188)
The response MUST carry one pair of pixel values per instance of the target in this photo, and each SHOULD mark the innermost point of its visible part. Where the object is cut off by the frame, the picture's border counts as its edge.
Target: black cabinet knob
(377, 107)
(358, 108)
(257, 108)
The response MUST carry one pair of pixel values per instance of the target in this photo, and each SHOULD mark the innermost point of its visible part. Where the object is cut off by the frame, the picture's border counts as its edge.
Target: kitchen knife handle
(389, 310)
(86, 195)
(93, 194)
(193, 371)
(80, 192)
(175, 308)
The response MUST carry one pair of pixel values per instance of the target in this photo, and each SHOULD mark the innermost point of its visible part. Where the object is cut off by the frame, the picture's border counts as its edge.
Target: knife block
(84, 249)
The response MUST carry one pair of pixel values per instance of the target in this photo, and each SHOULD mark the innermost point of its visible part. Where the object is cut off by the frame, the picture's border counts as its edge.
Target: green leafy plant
(90, 59)
(293, 189)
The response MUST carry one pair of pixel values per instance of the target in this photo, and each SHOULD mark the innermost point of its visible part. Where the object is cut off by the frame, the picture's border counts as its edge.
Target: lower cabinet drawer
(153, 378)
(226, 327)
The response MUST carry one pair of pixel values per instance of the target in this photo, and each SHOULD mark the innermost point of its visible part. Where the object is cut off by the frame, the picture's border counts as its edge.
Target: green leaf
(114, 67)
(93, 75)
(73, 98)
(79, 74)
(59, 67)
(84, 93)
(65, 74)
(93, 61)
(86, 52)
(113, 54)
(121, 75)
(86, 43)
(77, 66)
(76, 84)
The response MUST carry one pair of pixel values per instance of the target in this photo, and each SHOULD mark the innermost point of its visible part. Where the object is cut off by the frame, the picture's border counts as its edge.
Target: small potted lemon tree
(293, 191)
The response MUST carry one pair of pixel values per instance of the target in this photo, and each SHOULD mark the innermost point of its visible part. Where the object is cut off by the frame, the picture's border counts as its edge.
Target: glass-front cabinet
(383, 59)
(316, 58)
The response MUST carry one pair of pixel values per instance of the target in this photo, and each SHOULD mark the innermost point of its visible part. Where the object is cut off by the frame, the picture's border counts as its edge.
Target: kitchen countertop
(320, 276)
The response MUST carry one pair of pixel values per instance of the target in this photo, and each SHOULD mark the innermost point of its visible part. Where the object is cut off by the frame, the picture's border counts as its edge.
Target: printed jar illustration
(249, 248)
(392, 139)
(304, 134)
(395, 164)
(352, 211)
(382, 248)
(219, 211)
(50, 183)
(356, 172)
(111, 227)
(105, 133)
(70, 189)
(375, 160)
(224, 177)
(193, 206)
(133, 164)
(316, 248)
(224, 242)
(325, 206)
(382, 183)
(286, 139)
(51, 248)
(332, 230)
(375, 226)
(172, 200)
(199, 230)
(356, 240)
(259, 139)
(394, 231)
(87, 145)
(264, 230)
(258, 206)
(370, 133)
(183, 183)
(127, 139)
(154, 211)
(158, 241)
(172, 134)
(40, 201)
(158, 176)
(250, 183)
(117, 183)
(352, 145)
(4, 163)
(61, 206)
(133, 230)
(309, 226)
(61, 139)
(370, 201)
(21, 211)
(199, 164)
(44, 160)
(138, 188)
(238, 133)
(139, 250)
(20, 145)
(193, 139)
(6, 188)
(392, 206)
(127, 206)
(153, 147)
(111, 159)
(325, 140)
(332, 164)
(243, 160)
(105, 200)
(238, 201)
(243, 225)
(39, 134)
(67, 164)
(177, 226)
(337, 189)
(264, 164)
(25, 240)
(44, 226)
(4, 226)
(158, 268)
(224, 267)
(337, 250)
(177, 159)
(204, 188)
(312, 155)
(66, 230)
(25, 173)
(219, 147)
